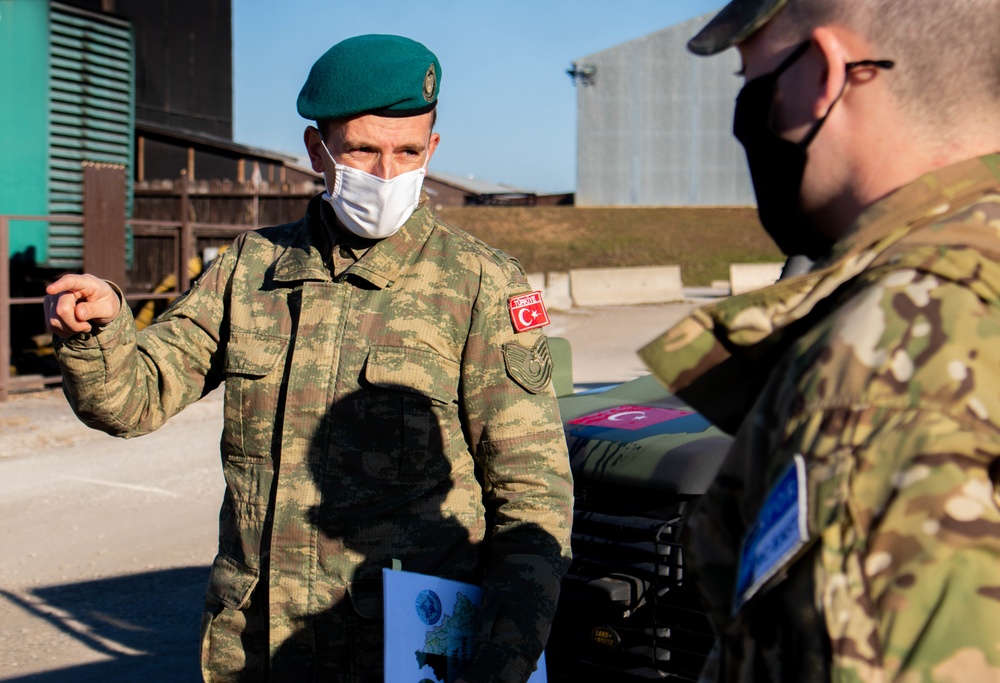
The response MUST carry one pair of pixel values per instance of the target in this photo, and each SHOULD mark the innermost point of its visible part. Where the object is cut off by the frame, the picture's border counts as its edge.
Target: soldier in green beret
(853, 534)
(383, 402)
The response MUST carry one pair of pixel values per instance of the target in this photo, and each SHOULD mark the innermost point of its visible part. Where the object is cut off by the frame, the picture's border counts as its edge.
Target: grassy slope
(702, 241)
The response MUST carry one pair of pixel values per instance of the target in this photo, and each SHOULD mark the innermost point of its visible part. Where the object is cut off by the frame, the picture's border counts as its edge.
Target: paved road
(105, 543)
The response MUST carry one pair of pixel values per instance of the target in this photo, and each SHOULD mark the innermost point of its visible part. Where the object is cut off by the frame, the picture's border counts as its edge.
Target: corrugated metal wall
(91, 108)
(654, 125)
(24, 125)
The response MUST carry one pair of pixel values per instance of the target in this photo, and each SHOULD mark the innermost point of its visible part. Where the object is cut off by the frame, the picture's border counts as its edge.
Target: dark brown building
(452, 190)
(183, 61)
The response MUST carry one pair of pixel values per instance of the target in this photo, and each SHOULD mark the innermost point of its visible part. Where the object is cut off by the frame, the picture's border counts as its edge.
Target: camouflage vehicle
(627, 611)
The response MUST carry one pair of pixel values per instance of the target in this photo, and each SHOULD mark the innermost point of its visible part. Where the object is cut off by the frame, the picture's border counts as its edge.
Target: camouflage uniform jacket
(375, 409)
(870, 385)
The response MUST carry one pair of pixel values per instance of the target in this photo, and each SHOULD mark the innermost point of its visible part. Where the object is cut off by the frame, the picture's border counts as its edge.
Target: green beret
(371, 74)
(736, 22)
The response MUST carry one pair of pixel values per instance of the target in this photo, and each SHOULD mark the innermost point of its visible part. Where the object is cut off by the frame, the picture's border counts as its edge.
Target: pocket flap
(413, 370)
(231, 583)
(253, 355)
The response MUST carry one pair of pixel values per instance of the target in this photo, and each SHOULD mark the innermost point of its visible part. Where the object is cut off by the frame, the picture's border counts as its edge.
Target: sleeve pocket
(231, 583)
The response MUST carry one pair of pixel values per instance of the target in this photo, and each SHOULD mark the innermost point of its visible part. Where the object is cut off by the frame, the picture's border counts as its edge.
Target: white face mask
(370, 206)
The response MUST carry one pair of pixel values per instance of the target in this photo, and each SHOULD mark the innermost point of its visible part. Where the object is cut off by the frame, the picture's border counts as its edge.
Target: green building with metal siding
(67, 96)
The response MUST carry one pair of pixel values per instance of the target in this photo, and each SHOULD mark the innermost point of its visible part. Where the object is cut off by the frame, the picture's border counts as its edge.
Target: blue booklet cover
(428, 628)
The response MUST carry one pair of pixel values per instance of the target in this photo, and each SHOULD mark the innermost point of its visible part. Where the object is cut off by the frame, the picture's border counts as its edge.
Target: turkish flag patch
(527, 311)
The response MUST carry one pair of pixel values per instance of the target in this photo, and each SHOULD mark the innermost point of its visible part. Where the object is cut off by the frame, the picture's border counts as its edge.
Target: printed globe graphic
(428, 606)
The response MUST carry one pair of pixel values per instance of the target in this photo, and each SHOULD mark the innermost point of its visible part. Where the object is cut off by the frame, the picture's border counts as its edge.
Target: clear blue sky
(507, 109)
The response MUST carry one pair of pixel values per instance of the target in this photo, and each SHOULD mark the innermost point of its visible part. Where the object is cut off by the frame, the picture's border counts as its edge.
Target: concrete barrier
(746, 277)
(562, 291)
(554, 288)
(625, 286)
(558, 295)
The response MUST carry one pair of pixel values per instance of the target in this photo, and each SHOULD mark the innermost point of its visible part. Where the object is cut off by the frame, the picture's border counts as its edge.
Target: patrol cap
(736, 22)
(371, 74)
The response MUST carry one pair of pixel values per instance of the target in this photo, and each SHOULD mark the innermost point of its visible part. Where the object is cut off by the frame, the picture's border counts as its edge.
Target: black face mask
(777, 165)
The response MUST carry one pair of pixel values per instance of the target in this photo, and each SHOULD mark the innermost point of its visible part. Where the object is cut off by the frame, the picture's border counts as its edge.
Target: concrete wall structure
(654, 125)
(625, 286)
(589, 287)
(746, 277)
(586, 287)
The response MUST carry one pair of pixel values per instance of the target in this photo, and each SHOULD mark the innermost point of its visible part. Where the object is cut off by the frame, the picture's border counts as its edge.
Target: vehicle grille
(625, 612)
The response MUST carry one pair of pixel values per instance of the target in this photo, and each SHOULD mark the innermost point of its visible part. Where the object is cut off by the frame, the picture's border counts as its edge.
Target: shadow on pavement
(147, 624)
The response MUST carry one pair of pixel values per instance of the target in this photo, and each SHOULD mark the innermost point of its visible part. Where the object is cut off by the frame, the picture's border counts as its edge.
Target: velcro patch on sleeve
(527, 311)
(531, 368)
(779, 534)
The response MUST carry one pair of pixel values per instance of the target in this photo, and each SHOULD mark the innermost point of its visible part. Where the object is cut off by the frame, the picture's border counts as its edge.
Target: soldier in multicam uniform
(853, 533)
(381, 403)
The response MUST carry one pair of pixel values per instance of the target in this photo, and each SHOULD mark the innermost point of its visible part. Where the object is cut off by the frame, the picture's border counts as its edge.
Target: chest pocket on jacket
(254, 375)
(411, 414)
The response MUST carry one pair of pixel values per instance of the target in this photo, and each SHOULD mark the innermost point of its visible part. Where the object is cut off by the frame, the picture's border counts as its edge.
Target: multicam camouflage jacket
(853, 533)
(379, 405)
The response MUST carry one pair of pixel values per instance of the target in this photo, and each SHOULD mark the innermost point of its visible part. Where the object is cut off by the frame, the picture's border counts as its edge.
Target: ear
(311, 137)
(432, 145)
(831, 54)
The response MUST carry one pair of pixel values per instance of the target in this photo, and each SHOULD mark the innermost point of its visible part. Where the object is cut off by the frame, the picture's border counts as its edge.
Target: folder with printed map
(429, 628)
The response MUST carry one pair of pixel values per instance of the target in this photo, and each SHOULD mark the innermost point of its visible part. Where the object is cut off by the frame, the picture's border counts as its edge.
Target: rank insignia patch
(528, 311)
(430, 83)
(531, 368)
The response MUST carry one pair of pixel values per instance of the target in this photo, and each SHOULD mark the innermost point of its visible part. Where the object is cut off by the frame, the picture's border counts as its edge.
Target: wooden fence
(7, 302)
(161, 209)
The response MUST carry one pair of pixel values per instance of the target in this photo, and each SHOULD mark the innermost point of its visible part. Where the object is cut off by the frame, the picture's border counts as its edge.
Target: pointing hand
(75, 303)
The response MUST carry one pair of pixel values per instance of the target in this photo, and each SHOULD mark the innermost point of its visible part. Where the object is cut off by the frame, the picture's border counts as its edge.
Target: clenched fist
(75, 303)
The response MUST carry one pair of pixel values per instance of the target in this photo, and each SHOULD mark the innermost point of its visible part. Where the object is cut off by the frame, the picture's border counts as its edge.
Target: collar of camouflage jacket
(719, 357)
(381, 265)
